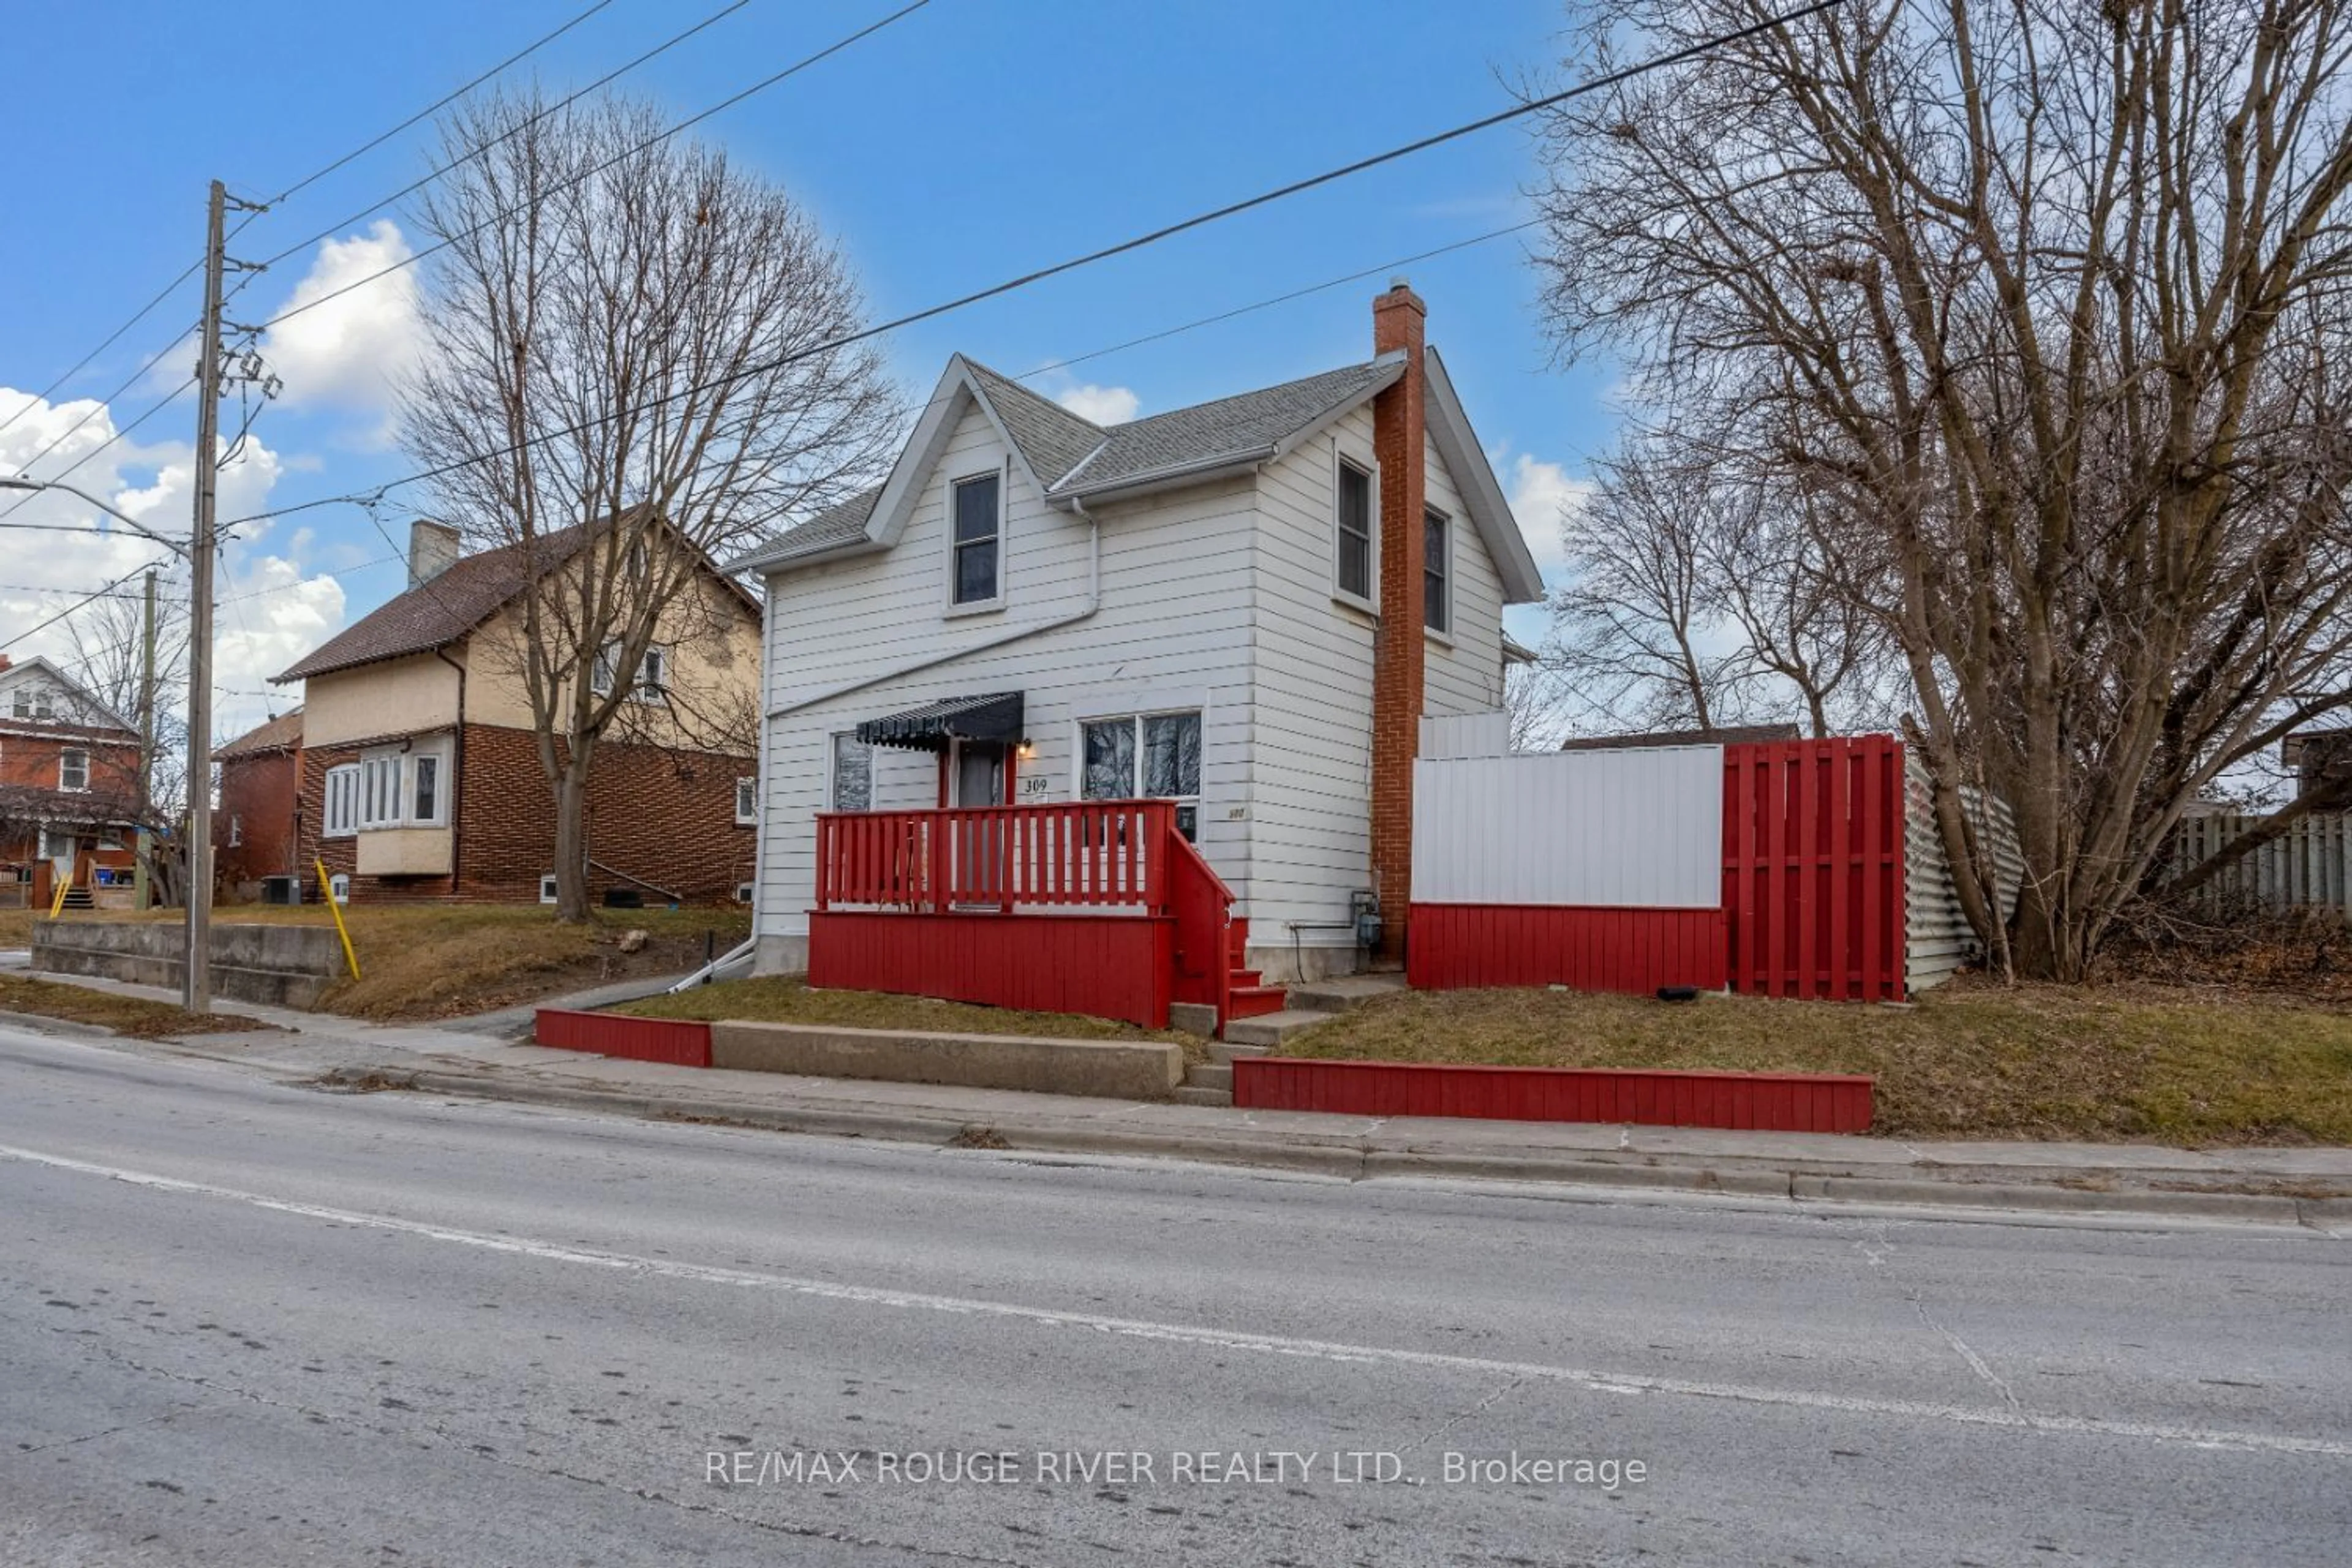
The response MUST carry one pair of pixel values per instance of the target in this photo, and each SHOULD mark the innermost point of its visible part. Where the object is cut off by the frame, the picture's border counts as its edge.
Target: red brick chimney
(3, 661)
(1398, 319)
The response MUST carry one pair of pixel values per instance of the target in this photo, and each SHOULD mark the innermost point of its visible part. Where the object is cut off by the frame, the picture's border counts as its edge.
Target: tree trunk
(571, 791)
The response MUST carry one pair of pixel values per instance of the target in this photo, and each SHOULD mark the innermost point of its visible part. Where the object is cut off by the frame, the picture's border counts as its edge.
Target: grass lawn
(786, 1000)
(2120, 1063)
(123, 1015)
(441, 960)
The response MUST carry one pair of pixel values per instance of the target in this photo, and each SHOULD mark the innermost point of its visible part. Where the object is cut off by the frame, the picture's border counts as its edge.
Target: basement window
(547, 887)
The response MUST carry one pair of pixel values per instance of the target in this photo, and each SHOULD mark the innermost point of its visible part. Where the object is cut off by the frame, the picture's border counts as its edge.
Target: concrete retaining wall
(1116, 1069)
(289, 965)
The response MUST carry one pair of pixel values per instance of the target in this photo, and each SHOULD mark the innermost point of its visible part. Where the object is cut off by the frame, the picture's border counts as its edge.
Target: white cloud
(273, 606)
(1540, 494)
(349, 351)
(1102, 404)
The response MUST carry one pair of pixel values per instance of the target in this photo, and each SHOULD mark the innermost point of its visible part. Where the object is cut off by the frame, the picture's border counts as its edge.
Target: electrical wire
(1126, 246)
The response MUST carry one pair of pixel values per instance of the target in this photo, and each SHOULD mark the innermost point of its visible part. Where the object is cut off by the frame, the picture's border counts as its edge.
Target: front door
(979, 852)
(979, 774)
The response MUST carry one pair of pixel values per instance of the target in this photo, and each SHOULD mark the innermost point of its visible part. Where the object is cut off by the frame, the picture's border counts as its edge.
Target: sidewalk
(2289, 1186)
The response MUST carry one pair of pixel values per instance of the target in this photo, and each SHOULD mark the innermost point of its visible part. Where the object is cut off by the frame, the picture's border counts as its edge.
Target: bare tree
(2050, 295)
(630, 338)
(110, 655)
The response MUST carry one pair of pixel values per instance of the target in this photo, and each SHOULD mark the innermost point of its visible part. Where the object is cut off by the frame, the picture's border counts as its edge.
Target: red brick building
(416, 773)
(70, 795)
(257, 826)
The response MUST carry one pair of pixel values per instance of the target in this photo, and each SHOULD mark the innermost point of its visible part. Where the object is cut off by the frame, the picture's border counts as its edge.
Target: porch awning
(996, 717)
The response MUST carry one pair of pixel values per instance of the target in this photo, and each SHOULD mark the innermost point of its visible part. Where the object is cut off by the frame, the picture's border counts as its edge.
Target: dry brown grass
(442, 961)
(1972, 1060)
(124, 1014)
(787, 1000)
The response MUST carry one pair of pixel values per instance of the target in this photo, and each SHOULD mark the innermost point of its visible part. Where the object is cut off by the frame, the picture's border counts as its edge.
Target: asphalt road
(248, 1323)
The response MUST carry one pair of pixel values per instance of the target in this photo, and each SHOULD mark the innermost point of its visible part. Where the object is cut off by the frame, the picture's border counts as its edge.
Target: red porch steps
(1247, 996)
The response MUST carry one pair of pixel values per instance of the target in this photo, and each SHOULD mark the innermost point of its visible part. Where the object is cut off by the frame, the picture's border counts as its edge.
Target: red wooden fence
(1458, 946)
(1096, 852)
(1778, 1102)
(1813, 867)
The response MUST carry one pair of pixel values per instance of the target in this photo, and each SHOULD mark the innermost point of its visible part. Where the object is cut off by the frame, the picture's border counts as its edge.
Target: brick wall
(1398, 655)
(660, 818)
(29, 792)
(259, 801)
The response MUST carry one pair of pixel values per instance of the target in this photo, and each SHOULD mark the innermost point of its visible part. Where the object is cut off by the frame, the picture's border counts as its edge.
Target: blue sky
(969, 142)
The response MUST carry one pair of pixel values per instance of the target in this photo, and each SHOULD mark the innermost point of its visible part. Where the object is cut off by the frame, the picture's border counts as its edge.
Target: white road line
(1220, 1339)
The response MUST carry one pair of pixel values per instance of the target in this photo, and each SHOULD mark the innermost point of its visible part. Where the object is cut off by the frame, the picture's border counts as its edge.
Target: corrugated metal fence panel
(1636, 951)
(1812, 857)
(1449, 735)
(1941, 938)
(680, 1041)
(1633, 828)
(2307, 866)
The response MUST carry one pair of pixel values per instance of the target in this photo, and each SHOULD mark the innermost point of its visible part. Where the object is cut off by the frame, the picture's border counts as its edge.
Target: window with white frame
(547, 894)
(235, 831)
(59, 843)
(73, 769)
(1353, 525)
(31, 700)
(1149, 756)
(853, 774)
(978, 521)
(652, 682)
(1437, 571)
(747, 802)
(342, 803)
(403, 789)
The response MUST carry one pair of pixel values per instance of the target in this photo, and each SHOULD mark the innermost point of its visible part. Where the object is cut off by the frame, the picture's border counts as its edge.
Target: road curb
(1359, 1162)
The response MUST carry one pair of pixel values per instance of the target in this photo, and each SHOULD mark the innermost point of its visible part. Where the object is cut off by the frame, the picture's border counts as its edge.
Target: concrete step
(1194, 1018)
(1343, 992)
(1210, 1075)
(1271, 1029)
(1188, 1095)
(1226, 1050)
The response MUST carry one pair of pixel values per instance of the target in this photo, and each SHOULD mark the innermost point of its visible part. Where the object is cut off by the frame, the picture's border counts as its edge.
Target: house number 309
(1035, 786)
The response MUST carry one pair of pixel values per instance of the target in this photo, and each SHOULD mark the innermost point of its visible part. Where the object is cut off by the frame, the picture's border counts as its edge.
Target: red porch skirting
(1453, 947)
(1769, 1102)
(1112, 966)
(682, 1041)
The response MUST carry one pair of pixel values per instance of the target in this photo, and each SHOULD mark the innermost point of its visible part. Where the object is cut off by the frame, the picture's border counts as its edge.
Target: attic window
(973, 578)
(31, 700)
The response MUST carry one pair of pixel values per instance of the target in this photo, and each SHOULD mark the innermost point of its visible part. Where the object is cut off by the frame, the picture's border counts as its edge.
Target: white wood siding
(1641, 827)
(1465, 670)
(1172, 631)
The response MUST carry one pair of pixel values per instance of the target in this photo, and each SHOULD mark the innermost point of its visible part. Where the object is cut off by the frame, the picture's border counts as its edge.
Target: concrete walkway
(2308, 1187)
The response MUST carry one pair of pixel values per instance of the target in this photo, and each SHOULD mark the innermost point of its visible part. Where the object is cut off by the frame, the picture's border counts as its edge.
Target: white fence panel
(1641, 827)
(1449, 735)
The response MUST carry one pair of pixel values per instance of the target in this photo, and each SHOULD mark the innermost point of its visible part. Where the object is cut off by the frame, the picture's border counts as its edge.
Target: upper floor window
(73, 770)
(1437, 573)
(652, 684)
(1352, 568)
(853, 774)
(975, 577)
(32, 700)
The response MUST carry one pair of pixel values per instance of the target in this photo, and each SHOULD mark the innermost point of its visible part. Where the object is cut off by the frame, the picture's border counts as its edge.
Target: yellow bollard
(327, 888)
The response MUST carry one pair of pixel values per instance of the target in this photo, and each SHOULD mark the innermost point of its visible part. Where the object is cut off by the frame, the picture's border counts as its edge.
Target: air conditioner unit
(281, 889)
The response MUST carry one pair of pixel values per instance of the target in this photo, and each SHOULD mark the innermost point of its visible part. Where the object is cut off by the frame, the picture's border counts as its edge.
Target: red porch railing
(1103, 853)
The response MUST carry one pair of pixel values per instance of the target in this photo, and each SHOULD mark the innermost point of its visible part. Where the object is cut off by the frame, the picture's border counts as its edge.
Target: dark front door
(979, 774)
(979, 850)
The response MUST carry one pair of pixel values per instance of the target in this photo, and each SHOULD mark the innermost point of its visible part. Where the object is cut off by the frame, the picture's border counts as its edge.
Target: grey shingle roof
(1052, 439)
(1230, 427)
(281, 733)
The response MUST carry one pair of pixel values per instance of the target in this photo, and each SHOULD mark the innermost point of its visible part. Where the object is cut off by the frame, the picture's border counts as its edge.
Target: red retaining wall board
(1456, 947)
(683, 1042)
(1763, 1102)
(1110, 966)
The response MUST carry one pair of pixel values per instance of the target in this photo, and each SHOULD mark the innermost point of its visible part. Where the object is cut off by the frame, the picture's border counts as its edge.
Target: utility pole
(197, 986)
(146, 846)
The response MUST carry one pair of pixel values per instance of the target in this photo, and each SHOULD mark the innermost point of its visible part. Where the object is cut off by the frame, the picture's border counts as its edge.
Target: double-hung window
(379, 790)
(652, 682)
(975, 572)
(1437, 573)
(853, 773)
(73, 770)
(32, 700)
(1352, 564)
(393, 789)
(342, 803)
(747, 802)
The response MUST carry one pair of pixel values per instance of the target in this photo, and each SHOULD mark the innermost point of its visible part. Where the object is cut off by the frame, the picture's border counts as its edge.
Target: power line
(197, 266)
(153, 410)
(413, 187)
(1107, 252)
(78, 603)
(758, 87)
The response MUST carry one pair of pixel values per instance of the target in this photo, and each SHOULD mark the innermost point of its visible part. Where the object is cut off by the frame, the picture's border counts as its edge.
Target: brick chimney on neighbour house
(1399, 318)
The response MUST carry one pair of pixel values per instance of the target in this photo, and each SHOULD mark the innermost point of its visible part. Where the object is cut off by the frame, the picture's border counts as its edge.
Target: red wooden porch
(1099, 906)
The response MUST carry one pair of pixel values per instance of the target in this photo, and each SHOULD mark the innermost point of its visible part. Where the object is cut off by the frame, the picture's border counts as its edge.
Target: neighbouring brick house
(69, 789)
(419, 770)
(257, 826)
